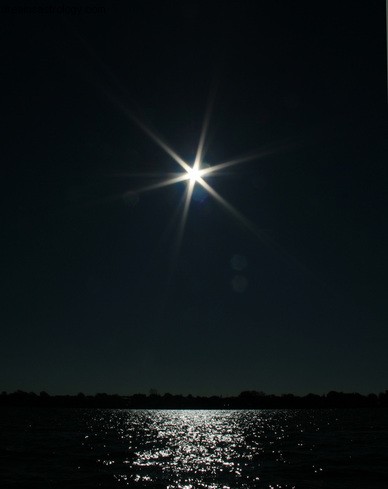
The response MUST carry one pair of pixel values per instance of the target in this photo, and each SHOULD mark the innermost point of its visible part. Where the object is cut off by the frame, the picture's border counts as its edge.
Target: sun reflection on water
(197, 443)
(190, 449)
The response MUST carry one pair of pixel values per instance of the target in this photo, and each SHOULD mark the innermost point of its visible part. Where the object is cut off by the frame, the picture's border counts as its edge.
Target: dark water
(270, 449)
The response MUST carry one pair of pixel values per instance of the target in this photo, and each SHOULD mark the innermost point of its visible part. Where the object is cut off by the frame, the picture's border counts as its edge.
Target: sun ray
(145, 175)
(248, 224)
(151, 134)
(227, 164)
(243, 159)
(159, 142)
(115, 99)
(165, 183)
(234, 212)
(185, 212)
(202, 138)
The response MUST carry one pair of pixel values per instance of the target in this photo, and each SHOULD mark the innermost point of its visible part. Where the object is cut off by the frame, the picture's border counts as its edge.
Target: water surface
(270, 449)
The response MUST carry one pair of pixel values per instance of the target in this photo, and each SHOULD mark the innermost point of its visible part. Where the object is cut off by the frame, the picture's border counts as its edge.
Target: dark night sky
(95, 297)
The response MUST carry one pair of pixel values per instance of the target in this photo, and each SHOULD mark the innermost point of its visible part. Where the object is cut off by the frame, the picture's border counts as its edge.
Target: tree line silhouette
(245, 400)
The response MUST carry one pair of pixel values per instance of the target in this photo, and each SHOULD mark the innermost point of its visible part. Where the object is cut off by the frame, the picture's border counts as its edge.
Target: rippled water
(270, 449)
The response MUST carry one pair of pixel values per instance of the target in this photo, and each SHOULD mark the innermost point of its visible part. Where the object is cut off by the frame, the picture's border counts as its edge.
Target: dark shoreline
(245, 400)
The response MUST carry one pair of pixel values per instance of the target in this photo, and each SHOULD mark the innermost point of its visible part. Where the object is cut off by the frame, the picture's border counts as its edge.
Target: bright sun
(194, 174)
